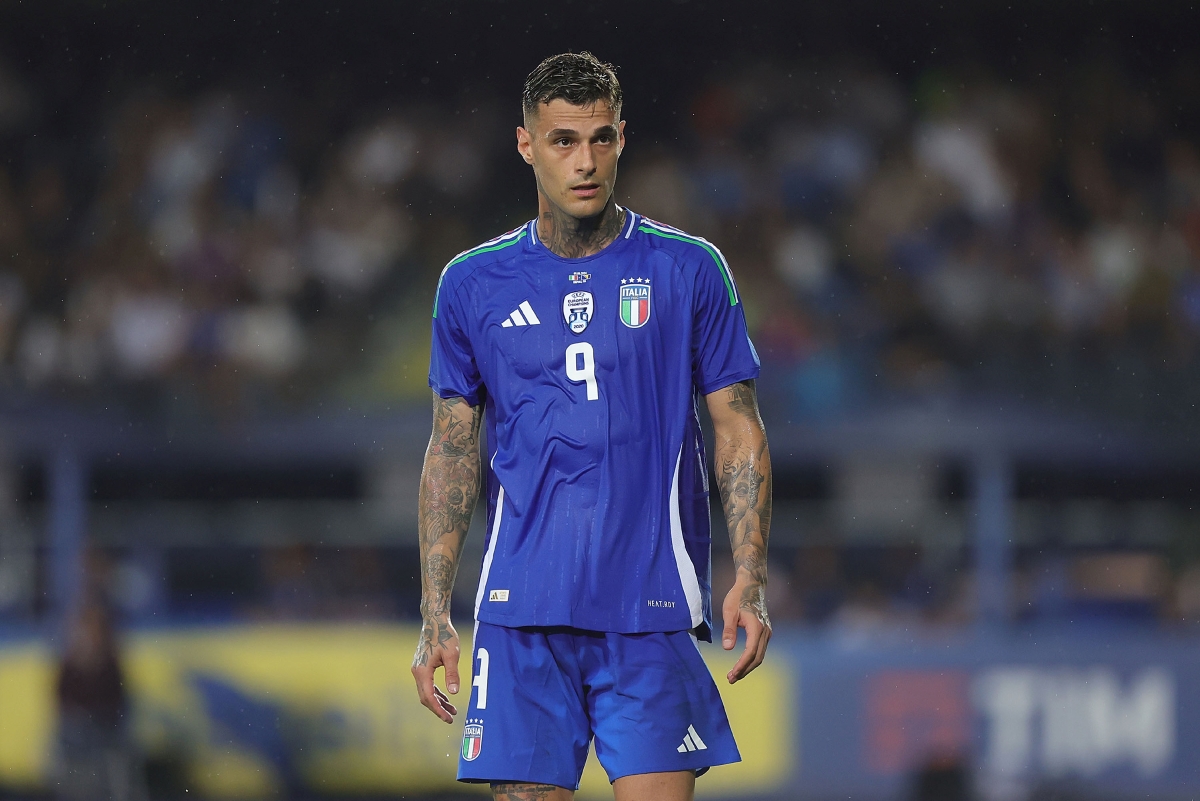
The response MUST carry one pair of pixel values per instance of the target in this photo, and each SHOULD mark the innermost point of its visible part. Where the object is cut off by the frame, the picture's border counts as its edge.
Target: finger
(426, 688)
(440, 705)
(761, 652)
(444, 705)
(429, 693)
(753, 632)
(452, 672)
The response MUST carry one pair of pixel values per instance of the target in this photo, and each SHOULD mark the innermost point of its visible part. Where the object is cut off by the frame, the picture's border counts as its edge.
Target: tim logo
(1054, 721)
(1083, 721)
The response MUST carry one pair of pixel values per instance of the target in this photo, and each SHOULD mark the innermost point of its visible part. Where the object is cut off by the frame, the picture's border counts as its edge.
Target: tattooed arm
(743, 467)
(450, 482)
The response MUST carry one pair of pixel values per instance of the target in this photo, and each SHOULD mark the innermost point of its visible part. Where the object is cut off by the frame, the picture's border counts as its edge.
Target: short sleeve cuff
(728, 379)
(445, 393)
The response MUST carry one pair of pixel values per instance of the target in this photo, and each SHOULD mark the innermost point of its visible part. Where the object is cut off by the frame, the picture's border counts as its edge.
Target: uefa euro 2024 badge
(472, 739)
(635, 301)
(577, 310)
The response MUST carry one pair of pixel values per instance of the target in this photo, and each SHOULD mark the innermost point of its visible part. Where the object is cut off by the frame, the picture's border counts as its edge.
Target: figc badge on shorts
(472, 741)
(635, 301)
(577, 310)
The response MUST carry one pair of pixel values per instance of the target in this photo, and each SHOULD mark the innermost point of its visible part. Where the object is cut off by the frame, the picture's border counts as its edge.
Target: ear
(620, 136)
(525, 144)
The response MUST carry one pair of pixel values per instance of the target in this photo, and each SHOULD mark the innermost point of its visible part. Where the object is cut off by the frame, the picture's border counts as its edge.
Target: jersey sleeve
(453, 371)
(722, 353)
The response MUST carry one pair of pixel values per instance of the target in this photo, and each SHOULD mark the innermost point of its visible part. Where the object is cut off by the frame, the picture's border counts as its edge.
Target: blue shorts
(539, 695)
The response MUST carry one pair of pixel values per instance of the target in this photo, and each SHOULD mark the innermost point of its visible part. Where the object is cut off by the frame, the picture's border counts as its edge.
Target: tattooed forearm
(450, 482)
(450, 479)
(754, 561)
(745, 491)
(439, 572)
(743, 468)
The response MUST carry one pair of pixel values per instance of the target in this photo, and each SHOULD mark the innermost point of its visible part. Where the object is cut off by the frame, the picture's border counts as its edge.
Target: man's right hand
(438, 647)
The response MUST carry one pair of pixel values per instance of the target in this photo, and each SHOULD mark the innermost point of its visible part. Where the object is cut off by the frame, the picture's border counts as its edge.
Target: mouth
(585, 191)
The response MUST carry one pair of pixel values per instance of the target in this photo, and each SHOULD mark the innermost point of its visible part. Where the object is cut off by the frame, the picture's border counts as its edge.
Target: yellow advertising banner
(251, 710)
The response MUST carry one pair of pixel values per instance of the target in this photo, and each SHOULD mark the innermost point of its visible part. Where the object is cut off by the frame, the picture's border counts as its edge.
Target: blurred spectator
(942, 779)
(1187, 595)
(95, 757)
(303, 583)
(818, 582)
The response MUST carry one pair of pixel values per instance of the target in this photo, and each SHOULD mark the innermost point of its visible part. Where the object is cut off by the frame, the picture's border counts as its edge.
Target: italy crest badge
(472, 741)
(635, 302)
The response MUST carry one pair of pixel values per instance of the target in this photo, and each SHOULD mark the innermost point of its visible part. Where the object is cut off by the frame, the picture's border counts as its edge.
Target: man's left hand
(746, 607)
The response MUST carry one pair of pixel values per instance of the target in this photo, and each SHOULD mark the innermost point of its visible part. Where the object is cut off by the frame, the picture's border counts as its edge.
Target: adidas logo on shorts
(691, 742)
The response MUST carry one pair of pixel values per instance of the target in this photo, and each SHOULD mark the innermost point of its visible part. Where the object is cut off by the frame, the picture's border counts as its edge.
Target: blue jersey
(590, 371)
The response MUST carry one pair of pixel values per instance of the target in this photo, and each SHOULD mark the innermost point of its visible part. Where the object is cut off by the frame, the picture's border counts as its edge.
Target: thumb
(452, 673)
(729, 636)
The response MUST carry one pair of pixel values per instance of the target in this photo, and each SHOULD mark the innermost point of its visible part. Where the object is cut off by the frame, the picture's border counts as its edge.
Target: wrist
(744, 577)
(431, 612)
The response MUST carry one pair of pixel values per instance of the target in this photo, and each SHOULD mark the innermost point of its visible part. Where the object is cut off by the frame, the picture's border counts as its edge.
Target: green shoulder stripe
(473, 252)
(733, 300)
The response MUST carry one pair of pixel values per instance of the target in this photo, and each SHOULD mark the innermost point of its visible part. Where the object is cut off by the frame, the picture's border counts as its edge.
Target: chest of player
(582, 328)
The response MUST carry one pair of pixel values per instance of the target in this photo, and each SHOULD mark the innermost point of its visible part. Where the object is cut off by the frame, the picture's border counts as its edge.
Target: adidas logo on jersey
(691, 742)
(522, 315)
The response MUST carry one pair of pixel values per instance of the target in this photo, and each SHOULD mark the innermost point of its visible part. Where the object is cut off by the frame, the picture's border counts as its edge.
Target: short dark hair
(581, 79)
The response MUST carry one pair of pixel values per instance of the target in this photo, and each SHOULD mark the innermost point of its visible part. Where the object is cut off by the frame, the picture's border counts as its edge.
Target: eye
(604, 139)
(562, 141)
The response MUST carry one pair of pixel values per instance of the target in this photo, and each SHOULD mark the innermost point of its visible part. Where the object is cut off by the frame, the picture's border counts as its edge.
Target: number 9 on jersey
(581, 367)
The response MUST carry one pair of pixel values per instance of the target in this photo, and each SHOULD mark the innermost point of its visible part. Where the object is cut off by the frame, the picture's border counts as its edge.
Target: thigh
(676, 786)
(526, 722)
(655, 707)
(530, 792)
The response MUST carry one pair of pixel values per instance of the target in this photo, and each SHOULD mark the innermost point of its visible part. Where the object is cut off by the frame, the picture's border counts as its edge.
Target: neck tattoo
(573, 238)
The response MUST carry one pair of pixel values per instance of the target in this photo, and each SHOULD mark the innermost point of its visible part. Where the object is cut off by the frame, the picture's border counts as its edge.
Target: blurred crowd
(959, 232)
(229, 254)
(225, 257)
(232, 253)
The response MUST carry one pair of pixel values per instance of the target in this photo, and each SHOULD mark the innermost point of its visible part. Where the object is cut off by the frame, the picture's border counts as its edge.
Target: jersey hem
(704, 627)
(557, 782)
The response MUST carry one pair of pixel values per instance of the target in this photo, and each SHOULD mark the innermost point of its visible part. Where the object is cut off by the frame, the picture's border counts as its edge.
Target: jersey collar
(631, 221)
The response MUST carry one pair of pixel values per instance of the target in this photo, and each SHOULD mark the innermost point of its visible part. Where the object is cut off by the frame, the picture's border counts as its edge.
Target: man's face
(574, 152)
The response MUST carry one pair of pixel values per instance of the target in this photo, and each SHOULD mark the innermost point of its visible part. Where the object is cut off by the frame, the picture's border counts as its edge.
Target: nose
(586, 164)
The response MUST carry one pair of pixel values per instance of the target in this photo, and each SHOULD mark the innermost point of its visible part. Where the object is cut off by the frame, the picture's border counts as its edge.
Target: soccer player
(588, 335)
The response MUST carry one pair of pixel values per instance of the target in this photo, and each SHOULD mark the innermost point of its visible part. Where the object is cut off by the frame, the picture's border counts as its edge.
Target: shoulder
(696, 254)
(667, 237)
(494, 251)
